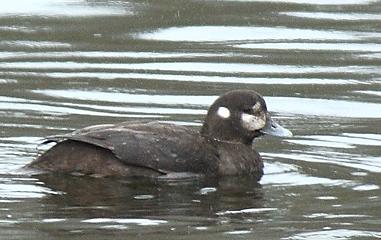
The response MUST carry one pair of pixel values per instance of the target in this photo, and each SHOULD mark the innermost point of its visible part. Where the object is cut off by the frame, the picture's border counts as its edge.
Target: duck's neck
(225, 133)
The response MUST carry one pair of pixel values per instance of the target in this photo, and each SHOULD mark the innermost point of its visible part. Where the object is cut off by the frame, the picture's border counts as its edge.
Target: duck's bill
(274, 129)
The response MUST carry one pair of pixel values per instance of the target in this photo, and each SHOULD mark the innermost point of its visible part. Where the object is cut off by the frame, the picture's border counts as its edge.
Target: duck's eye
(248, 110)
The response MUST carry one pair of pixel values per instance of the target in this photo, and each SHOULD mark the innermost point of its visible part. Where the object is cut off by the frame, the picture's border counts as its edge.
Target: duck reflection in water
(88, 197)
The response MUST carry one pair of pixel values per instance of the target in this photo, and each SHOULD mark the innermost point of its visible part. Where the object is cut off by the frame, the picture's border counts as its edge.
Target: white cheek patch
(223, 112)
(252, 123)
(257, 107)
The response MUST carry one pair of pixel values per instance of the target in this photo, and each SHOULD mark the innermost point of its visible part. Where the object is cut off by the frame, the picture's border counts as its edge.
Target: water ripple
(349, 47)
(23, 188)
(232, 33)
(338, 108)
(194, 67)
(57, 8)
(318, 2)
(352, 161)
(142, 222)
(338, 16)
(338, 234)
(186, 78)
(34, 44)
(112, 55)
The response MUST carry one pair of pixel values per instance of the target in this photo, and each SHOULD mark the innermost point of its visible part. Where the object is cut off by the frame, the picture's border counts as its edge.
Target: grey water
(67, 64)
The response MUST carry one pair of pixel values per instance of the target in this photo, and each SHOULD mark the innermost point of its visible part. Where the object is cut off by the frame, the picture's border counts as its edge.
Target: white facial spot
(223, 112)
(252, 122)
(257, 107)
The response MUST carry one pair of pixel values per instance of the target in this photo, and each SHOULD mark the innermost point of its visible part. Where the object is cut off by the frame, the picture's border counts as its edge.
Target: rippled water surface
(67, 64)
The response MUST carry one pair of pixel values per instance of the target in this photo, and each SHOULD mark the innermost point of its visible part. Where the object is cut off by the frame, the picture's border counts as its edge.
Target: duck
(223, 146)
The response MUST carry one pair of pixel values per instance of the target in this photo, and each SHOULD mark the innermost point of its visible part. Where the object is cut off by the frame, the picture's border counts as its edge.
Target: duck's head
(240, 116)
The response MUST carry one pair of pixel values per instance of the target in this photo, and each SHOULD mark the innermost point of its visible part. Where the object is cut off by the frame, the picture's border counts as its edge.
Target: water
(67, 64)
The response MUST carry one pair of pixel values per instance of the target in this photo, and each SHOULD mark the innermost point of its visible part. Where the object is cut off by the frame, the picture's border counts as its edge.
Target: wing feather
(159, 146)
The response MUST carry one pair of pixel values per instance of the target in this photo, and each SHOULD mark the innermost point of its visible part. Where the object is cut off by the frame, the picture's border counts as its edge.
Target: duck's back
(130, 148)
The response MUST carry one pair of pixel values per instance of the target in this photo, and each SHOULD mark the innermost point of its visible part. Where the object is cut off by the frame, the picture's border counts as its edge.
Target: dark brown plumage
(222, 147)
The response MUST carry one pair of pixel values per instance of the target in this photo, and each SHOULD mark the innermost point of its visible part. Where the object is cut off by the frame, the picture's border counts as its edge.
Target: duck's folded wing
(164, 149)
